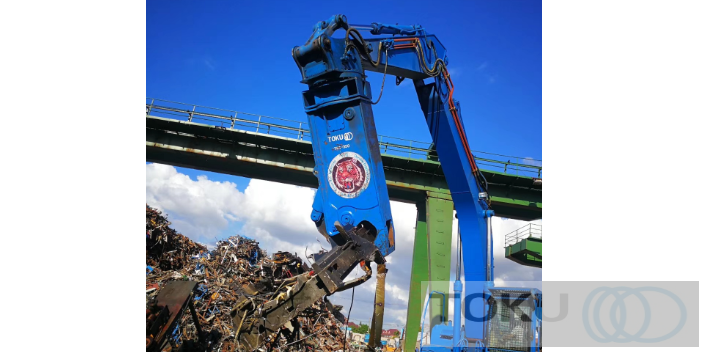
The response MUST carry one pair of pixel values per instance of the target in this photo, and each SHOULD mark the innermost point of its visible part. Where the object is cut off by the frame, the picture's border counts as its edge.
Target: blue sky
(237, 55)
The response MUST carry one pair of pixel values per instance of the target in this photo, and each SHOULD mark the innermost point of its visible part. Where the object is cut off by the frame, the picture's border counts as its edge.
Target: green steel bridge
(279, 150)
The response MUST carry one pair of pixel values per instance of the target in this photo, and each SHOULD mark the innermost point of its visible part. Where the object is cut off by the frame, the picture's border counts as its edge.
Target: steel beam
(419, 279)
(262, 156)
(439, 215)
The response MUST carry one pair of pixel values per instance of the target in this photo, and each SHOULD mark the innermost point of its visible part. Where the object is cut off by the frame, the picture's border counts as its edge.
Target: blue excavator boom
(351, 208)
(334, 69)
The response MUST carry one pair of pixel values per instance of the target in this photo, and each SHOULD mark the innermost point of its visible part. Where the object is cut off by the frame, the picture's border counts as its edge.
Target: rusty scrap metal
(165, 311)
(234, 286)
(327, 277)
(378, 316)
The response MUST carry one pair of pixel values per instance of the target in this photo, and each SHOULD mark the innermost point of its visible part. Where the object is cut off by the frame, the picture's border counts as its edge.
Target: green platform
(528, 251)
(525, 245)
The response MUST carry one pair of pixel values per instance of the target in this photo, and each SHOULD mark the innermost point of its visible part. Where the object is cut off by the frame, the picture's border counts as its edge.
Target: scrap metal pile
(236, 274)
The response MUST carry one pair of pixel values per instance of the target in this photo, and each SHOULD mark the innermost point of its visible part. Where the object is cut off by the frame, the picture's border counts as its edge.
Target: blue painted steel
(405, 62)
(489, 214)
(254, 258)
(457, 328)
(441, 335)
(338, 104)
(351, 183)
(176, 335)
(440, 349)
(434, 100)
(201, 291)
(538, 325)
(381, 28)
(422, 321)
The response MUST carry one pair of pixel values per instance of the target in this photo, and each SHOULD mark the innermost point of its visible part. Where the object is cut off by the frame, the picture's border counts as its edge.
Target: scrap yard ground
(236, 272)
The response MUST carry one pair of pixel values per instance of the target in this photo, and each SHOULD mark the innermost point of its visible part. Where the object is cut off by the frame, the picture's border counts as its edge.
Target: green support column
(439, 216)
(431, 262)
(419, 280)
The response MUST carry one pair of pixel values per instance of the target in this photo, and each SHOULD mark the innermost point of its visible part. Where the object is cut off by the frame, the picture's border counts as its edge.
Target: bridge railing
(231, 119)
(228, 119)
(528, 231)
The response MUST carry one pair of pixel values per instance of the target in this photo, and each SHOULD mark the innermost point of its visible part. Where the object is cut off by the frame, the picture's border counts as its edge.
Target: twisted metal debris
(236, 276)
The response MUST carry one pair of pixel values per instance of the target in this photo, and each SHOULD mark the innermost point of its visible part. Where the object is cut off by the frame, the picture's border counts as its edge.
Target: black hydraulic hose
(363, 43)
(438, 65)
(347, 323)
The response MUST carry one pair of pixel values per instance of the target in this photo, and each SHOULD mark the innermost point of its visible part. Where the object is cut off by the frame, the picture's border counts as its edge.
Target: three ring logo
(619, 294)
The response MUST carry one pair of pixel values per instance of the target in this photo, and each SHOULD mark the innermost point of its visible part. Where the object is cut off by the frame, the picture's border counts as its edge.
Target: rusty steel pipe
(378, 317)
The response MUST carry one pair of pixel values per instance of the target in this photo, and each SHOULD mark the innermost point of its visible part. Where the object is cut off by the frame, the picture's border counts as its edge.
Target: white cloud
(198, 207)
(278, 216)
(396, 292)
(454, 72)
(209, 62)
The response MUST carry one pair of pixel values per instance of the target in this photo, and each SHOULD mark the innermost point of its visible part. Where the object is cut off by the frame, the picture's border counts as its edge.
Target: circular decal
(348, 175)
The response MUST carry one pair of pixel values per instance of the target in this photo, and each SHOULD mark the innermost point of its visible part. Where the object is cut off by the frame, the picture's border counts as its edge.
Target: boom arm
(410, 53)
(351, 207)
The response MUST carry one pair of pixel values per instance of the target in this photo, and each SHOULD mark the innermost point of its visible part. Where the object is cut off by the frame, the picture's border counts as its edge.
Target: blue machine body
(351, 183)
(352, 189)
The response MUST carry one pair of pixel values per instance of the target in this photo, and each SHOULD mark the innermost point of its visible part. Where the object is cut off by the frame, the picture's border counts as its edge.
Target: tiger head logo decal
(348, 175)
